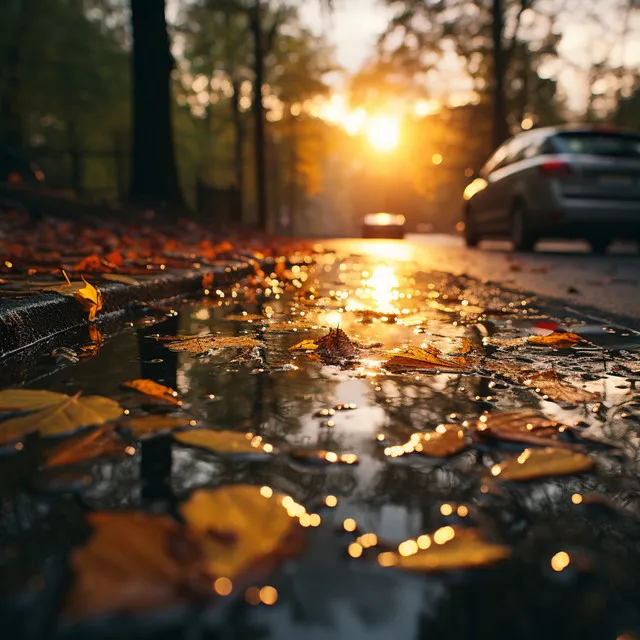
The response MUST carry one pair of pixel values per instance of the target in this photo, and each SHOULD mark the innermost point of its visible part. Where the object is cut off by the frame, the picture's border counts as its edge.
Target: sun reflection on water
(383, 284)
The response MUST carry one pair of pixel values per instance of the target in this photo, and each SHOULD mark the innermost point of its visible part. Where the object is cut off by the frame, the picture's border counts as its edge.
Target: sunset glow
(383, 133)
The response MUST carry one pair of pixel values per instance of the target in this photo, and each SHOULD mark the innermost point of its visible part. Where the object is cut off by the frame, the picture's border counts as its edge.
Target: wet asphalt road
(564, 270)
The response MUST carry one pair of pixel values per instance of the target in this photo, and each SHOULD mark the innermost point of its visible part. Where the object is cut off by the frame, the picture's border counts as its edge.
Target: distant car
(569, 182)
(383, 225)
(15, 169)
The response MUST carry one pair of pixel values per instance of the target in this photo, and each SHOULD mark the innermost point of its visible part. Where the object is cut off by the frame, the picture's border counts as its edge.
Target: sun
(383, 132)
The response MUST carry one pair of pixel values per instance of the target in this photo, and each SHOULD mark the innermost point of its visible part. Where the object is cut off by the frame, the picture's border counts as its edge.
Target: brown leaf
(121, 278)
(550, 384)
(524, 426)
(197, 345)
(147, 426)
(540, 463)
(445, 441)
(558, 339)
(447, 549)
(420, 359)
(223, 442)
(242, 528)
(52, 413)
(133, 563)
(287, 327)
(154, 390)
(85, 446)
(336, 345)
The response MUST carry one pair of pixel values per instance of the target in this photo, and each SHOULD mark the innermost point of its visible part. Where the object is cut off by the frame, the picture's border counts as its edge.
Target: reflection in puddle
(276, 394)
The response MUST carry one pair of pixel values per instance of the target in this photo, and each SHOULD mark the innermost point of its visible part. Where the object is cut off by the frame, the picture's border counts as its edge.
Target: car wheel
(471, 236)
(600, 245)
(522, 236)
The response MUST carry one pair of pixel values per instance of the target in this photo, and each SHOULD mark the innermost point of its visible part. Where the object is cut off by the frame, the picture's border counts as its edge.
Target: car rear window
(599, 144)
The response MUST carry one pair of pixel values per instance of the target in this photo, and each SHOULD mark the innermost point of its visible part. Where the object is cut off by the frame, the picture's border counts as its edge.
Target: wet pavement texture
(573, 540)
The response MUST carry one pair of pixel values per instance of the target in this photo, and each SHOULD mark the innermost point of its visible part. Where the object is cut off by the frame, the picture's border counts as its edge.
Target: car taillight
(555, 169)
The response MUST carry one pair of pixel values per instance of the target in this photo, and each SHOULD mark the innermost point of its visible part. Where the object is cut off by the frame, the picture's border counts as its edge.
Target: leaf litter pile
(341, 425)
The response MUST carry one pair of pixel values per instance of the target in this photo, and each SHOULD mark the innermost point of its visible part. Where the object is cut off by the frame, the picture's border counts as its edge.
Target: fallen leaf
(367, 316)
(154, 390)
(558, 339)
(90, 298)
(550, 384)
(241, 530)
(448, 549)
(197, 345)
(419, 359)
(286, 327)
(524, 426)
(133, 563)
(540, 463)
(336, 345)
(223, 442)
(86, 446)
(52, 413)
(91, 263)
(148, 426)
(445, 441)
(305, 345)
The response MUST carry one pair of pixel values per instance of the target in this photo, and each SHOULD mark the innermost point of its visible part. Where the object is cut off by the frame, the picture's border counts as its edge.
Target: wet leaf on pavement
(245, 317)
(445, 441)
(242, 528)
(90, 298)
(223, 442)
(135, 563)
(52, 413)
(447, 549)
(148, 426)
(549, 383)
(560, 340)
(541, 463)
(305, 345)
(197, 345)
(420, 359)
(86, 446)
(524, 426)
(154, 390)
(121, 278)
(336, 345)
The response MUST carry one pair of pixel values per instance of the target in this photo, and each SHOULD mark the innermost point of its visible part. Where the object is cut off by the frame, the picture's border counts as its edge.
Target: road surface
(562, 270)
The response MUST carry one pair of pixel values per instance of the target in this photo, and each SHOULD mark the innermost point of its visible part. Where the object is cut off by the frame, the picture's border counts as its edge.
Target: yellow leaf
(90, 298)
(245, 317)
(445, 441)
(558, 339)
(540, 463)
(419, 359)
(241, 528)
(196, 345)
(305, 345)
(53, 413)
(222, 442)
(154, 390)
(447, 549)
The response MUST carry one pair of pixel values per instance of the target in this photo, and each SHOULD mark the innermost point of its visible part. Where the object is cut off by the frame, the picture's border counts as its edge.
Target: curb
(24, 322)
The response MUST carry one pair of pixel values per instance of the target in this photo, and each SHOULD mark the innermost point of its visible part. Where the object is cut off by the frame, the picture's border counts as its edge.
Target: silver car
(567, 182)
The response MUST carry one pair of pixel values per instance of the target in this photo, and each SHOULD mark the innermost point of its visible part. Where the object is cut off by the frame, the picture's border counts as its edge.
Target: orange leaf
(447, 549)
(223, 442)
(115, 257)
(540, 463)
(524, 426)
(550, 384)
(560, 340)
(147, 426)
(154, 390)
(420, 359)
(85, 446)
(132, 563)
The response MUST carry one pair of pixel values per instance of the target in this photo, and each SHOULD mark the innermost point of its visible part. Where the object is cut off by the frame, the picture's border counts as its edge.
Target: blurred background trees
(116, 98)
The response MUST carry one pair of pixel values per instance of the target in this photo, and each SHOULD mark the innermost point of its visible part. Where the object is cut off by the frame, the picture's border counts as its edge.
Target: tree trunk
(154, 175)
(238, 126)
(500, 126)
(258, 111)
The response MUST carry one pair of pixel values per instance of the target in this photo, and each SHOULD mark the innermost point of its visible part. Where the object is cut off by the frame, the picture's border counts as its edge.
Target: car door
(497, 191)
(483, 197)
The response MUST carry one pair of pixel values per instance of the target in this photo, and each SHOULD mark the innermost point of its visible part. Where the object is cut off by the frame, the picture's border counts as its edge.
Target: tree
(154, 174)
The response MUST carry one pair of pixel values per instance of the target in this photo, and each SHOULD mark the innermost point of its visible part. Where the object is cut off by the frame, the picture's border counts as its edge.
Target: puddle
(277, 394)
